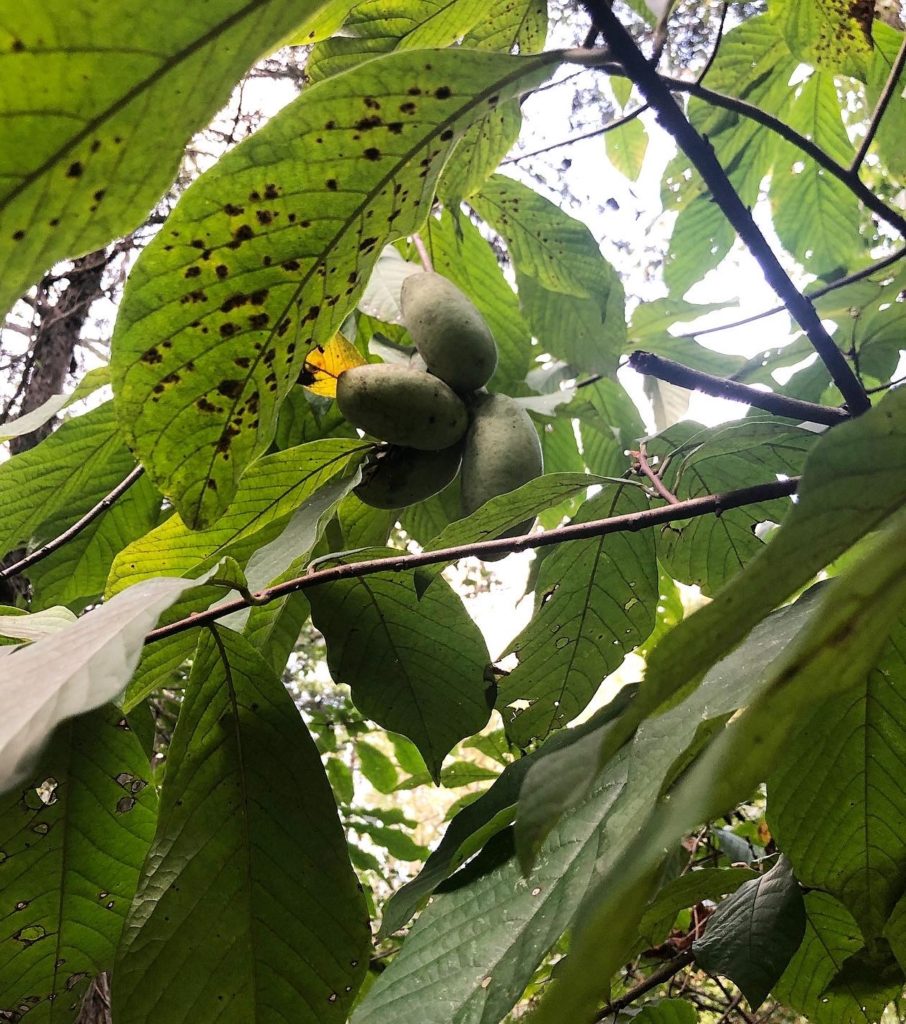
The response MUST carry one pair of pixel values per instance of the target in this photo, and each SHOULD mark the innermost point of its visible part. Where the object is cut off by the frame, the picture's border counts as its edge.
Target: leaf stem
(696, 380)
(709, 504)
(881, 106)
(75, 529)
(657, 977)
(702, 156)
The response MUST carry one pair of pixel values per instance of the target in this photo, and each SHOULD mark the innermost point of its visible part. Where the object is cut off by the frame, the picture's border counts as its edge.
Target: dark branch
(881, 106)
(594, 133)
(695, 380)
(711, 504)
(657, 977)
(700, 153)
(75, 529)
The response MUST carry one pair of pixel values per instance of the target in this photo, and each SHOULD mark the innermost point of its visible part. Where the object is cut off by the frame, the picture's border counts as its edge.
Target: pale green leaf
(831, 34)
(626, 148)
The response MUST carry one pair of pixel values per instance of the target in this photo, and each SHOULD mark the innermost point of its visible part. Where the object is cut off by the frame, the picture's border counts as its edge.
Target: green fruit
(502, 452)
(396, 477)
(448, 331)
(402, 406)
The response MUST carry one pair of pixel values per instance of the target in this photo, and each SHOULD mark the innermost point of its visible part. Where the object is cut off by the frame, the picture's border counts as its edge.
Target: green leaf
(831, 937)
(269, 250)
(76, 669)
(831, 34)
(753, 934)
(274, 487)
(61, 478)
(248, 879)
(571, 297)
(459, 252)
(396, 843)
(626, 148)
(667, 1011)
(415, 666)
(73, 838)
(377, 767)
(889, 139)
(90, 145)
(708, 551)
(835, 806)
(595, 601)
(45, 412)
(75, 573)
(685, 891)
(341, 781)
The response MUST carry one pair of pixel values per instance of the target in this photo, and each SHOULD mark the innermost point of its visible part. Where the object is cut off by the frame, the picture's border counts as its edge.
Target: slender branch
(880, 107)
(75, 529)
(657, 977)
(696, 380)
(641, 457)
(422, 251)
(718, 39)
(609, 127)
(702, 156)
(710, 504)
(818, 293)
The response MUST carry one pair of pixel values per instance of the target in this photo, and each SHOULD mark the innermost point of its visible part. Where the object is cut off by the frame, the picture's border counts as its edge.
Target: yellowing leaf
(326, 362)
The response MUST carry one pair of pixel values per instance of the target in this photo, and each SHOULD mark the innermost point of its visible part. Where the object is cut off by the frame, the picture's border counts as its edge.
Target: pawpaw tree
(375, 337)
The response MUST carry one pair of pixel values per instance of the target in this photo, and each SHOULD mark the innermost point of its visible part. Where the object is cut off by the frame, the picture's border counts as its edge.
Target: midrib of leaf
(146, 83)
(350, 221)
(240, 767)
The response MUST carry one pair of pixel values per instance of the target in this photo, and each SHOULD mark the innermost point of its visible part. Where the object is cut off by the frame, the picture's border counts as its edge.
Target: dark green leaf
(686, 891)
(377, 767)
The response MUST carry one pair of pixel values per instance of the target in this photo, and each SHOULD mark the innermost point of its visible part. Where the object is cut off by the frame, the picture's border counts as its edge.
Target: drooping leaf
(269, 250)
(686, 891)
(248, 878)
(415, 666)
(17, 624)
(46, 411)
(626, 148)
(77, 669)
(88, 145)
(377, 767)
(835, 806)
(324, 364)
(595, 601)
(270, 492)
(753, 934)
(73, 837)
(569, 294)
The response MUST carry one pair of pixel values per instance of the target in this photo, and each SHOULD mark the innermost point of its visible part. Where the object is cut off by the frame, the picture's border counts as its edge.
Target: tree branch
(696, 380)
(710, 504)
(700, 153)
(75, 529)
(594, 133)
(881, 106)
(657, 977)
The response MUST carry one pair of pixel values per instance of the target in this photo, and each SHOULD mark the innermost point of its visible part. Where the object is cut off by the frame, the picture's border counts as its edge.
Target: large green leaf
(595, 601)
(267, 253)
(569, 294)
(832, 34)
(831, 937)
(709, 550)
(753, 934)
(74, 836)
(889, 139)
(97, 104)
(841, 643)
(60, 479)
(415, 666)
(460, 253)
(248, 909)
(836, 806)
(274, 488)
(685, 891)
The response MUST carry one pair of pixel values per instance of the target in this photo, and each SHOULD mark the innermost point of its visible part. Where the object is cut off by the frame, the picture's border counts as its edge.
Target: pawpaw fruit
(502, 451)
(402, 406)
(449, 332)
(395, 477)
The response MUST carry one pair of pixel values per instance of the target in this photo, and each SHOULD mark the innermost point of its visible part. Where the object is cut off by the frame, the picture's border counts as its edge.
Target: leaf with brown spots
(95, 109)
(305, 269)
(324, 364)
(834, 35)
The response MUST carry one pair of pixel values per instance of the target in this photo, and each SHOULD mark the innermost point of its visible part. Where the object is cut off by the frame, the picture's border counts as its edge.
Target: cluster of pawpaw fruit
(434, 413)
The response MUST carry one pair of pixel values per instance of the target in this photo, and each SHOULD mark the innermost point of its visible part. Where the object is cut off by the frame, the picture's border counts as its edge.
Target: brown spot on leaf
(228, 329)
(331, 184)
(446, 135)
(75, 169)
(264, 216)
(365, 124)
(259, 321)
(152, 357)
(443, 92)
(18, 235)
(230, 388)
(203, 405)
(371, 103)
(221, 270)
(271, 192)
(243, 362)
(290, 265)
(259, 297)
(232, 210)
(372, 153)
(18, 46)
(395, 127)
(192, 272)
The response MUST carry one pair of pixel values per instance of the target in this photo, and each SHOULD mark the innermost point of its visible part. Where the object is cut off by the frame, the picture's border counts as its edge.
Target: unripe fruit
(502, 452)
(402, 406)
(396, 477)
(448, 331)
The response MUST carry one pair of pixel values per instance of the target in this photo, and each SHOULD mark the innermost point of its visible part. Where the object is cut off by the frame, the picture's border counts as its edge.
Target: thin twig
(657, 977)
(710, 504)
(423, 253)
(703, 158)
(718, 387)
(725, 7)
(75, 529)
(609, 127)
(818, 293)
(880, 107)
(641, 457)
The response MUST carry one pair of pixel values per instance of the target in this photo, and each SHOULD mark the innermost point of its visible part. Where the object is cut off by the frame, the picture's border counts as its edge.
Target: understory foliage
(183, 836)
